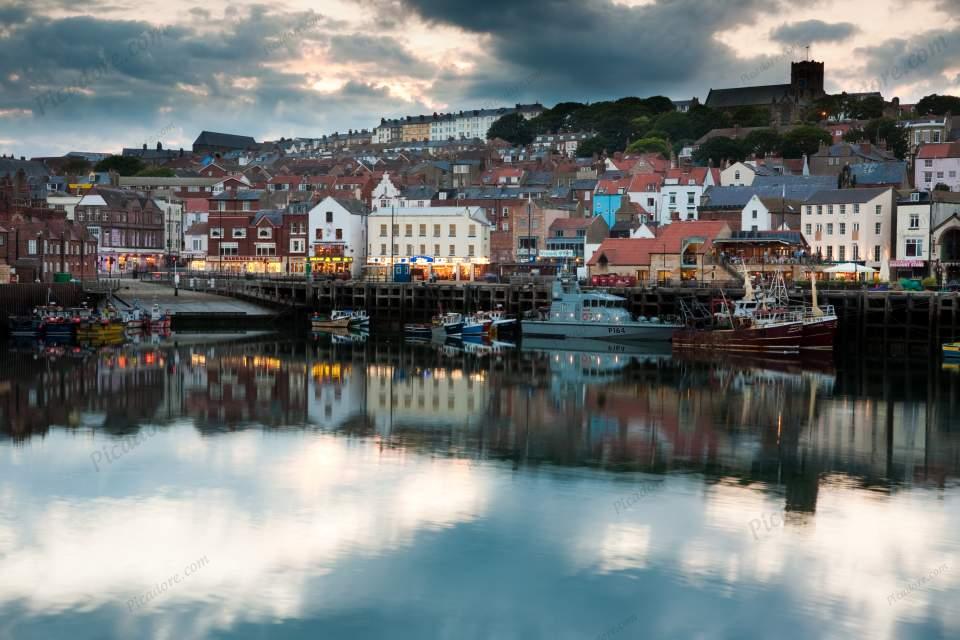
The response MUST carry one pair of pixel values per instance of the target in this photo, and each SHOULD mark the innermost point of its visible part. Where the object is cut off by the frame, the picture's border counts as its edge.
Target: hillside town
(781, 178)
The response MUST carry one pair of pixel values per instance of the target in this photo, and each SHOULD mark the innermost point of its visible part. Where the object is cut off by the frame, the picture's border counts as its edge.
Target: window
(264, 232)
(436, 250)
(409, 250)
(830, 229)
(246, 206)
(423, 231)
(396, 230)
(453, 231)
(472, 231)
(736, 175)
(829, 209)
(408, 231)
(878, 210)
(264, 249)
(830, 253)
(843, 228)
(819, 209)
(423, 250)
(753, 214)
(471, 251)
(383, 231)
(928, 176)
(453, 250)
(927, 163)
(876, 253)
(936, 136)
(842, 253)
(339, 234)
(856, 227)
(808, 229)
(877, 228)
(216, 232)
(914, 220)
(753, 227)
(809, 210)
(819, 228)
(673, 198)
(383, 249)
(297, 245)
(856, 208)
(329, 217)
(690, 196)
(914, 247)
(319, 234)
(396, 249)
(229, 249)
(32, 247)
(238, 234)
(436, 232)
(843, 209)
(856, 252)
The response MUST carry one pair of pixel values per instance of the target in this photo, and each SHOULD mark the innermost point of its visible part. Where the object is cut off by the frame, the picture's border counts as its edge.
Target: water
(266, 489)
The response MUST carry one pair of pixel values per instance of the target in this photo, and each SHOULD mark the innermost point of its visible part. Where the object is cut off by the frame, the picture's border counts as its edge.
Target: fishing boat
(749, 325)
(576, 314)
(475, 325)
(951, 350)
(819, 321)
(419, 330)
(25, 327)
(500, 323)
(159, 321)
(320, 322)
(106, 327)
(451, 323)
(358, 318)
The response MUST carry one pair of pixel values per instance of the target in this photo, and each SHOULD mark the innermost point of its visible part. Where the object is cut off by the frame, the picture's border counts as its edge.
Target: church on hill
(786, 102)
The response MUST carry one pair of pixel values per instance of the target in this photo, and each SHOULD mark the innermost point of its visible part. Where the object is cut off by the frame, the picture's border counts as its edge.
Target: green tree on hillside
(804, 140)
(124, 165)
(513, 128)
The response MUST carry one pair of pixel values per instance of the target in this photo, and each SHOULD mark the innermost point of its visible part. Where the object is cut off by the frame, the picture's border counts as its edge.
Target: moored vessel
(577, 314)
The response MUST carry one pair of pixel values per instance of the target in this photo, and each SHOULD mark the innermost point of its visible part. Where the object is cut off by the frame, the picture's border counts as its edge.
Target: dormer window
(264, 232)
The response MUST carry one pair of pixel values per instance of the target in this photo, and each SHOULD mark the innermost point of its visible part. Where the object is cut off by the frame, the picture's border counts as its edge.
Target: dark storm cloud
(382, 50)
(897, 62)
(581, 50)
(811, 31)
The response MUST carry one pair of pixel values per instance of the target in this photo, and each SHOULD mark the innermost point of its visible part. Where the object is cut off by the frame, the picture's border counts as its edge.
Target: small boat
(159, 321)
(951, 350)
(25, 327)
(451, 323)
(358, 318)
(475, 326)
(418, 330)
(100, 329)
(500, 323)
(320, 322)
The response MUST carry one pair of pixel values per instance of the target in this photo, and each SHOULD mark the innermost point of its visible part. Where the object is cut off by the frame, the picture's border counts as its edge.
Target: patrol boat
(601, 316)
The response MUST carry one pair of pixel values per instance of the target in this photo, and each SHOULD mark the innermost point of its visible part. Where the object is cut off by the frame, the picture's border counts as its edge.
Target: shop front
(911, 268)
(331, 260)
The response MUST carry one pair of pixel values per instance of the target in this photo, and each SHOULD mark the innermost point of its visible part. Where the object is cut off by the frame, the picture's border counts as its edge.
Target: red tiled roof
(939, 150)
(612, 187)
(198, 229)
(563, 224)
(285, 180)
(646, 182)
(672, 235)
(625, 251)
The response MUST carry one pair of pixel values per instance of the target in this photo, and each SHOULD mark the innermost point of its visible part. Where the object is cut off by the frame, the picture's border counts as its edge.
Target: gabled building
(938, 164)
(129, 228)
(212, 143)
(337, 237)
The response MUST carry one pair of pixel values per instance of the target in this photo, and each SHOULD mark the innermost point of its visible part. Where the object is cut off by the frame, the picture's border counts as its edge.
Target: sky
(104, 74)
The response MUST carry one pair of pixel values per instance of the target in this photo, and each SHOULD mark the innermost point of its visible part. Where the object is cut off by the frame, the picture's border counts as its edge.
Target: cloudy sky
(100, 75)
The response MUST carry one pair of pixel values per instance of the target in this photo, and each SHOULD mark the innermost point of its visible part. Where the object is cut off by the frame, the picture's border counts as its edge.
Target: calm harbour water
(267, 489)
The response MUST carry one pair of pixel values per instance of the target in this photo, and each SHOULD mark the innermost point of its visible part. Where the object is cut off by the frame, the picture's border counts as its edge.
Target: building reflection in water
(771, 424)
(392, 434)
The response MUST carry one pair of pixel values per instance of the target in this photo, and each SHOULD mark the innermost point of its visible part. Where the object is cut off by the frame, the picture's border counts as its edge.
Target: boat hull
(784, 338)
(598, 331)
(819, 334)
(320, 325)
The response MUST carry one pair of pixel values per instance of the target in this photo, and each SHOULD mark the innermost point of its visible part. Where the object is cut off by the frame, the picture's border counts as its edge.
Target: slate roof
(879, 173)
(418, 193)
(587, 183)
(215, 139)
(31, 168)
(745, 96)
(846, 196)
(246, 194)
(821, 182)
(274, 216)
(354, 206)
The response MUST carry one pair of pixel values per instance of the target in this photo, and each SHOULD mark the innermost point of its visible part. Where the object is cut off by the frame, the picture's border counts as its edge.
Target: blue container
(401, 273)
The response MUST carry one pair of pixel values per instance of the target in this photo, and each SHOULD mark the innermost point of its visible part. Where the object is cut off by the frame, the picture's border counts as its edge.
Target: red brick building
(243, 238)
(128, 227)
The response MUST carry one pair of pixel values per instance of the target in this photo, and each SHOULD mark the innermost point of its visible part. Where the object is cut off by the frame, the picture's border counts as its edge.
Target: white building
(738, 174)
(337, 234)
(851, 225)
(385, 194)
(563, 143)
(450, 242)
(912, 250)
(173, 241)
(938, 164)
(475, 123)
(64, 202)
(681, 191)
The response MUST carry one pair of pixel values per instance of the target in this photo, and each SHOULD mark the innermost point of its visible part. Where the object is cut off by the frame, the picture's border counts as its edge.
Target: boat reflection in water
(575, 488)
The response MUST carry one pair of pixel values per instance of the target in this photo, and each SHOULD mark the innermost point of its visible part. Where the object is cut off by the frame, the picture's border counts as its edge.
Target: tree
(124, 165)
(595, 145)
(674, 124)
(513, 128)
(157, 172)
(716, 150)
(804, 140)
(854, 134)
(865, 109)
(651, 144)
(890, 132)
(941, 187)
(762, 142)
(751, 117)
(938, 105)
(76, 167)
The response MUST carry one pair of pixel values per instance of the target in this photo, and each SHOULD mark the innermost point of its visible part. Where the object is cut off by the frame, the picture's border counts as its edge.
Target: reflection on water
(347, 488)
